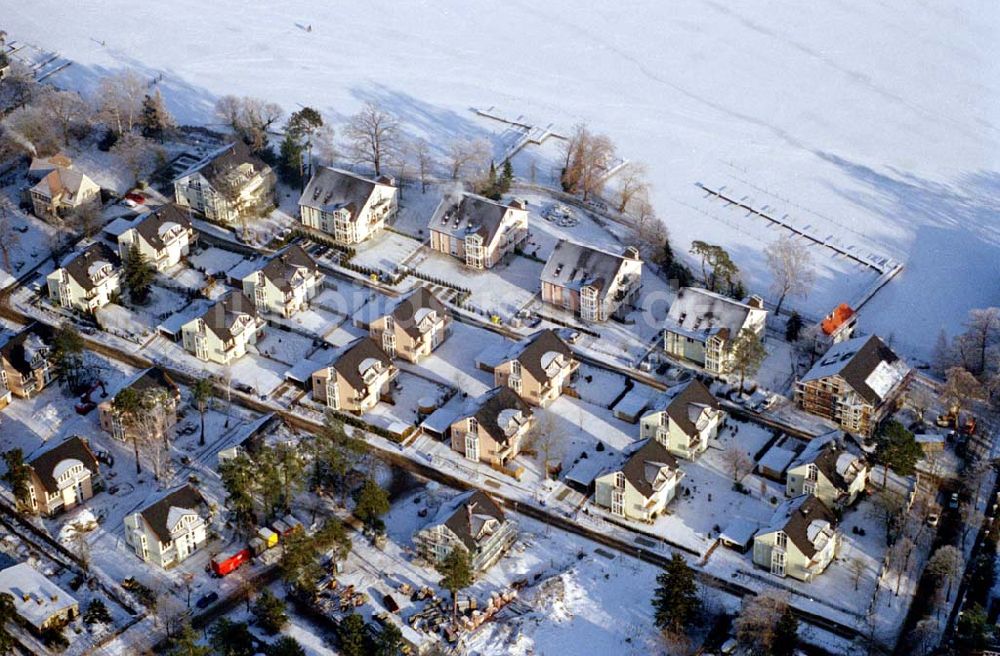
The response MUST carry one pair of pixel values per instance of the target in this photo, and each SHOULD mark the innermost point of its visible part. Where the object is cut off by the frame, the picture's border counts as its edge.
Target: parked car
(933, 519)
(207, 600)
(729, 646)
(133, 199)
(953, 501)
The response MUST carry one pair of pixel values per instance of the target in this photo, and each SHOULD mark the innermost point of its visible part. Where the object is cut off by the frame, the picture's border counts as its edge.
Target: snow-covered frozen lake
(872, 124)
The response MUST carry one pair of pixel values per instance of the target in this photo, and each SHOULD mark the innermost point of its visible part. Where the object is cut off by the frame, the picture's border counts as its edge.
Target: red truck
(225, 563)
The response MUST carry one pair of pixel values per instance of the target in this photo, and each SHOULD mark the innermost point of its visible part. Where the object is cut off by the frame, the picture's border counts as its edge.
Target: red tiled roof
(836, 319)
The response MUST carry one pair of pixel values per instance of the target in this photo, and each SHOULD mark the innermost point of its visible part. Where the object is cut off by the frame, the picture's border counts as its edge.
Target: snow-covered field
(875, 124)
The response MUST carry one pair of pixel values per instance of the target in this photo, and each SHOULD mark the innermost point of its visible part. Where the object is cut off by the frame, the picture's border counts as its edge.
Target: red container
(225, 563)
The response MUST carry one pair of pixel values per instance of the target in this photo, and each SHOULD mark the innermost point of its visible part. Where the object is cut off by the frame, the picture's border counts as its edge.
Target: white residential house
(62, 191)
(163, 236)
(642, 487)
(801, 540)
(594, 284)
(475, 523)
(227, 184)
(684, 420)
(285, 284)
(349, 207)
(37, 600)
(828, 471)
(169, 530)
(86, 280)
(225, 331)
(701, 325)
(477, 231)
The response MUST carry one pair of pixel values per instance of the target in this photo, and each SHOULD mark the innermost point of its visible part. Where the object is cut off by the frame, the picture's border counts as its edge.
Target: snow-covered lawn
(285, 346)
(385, 252)
(502, 290)
(214, 260)
(409, 391)
(30, 239)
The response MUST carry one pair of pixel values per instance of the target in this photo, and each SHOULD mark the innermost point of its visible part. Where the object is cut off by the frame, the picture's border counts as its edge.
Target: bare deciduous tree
(791, 269)
(982, 332)
(468, 158)
(960, 390)
(547, 437)
(423, 161)
(632, 184)
(373, 136)
(971, 518)
(137, 154)
(899, 558)
(325, 143)
(888, 509)
(250, 118)
(858, 569)
(9, 238)
(587, 157)
(737, 462)
(31, 128)
(945, 566)
(119, 100)
(64, 109)
(758, 618)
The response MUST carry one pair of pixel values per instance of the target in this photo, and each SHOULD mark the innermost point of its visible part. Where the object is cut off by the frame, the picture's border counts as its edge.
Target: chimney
(756, 301)
(518, 204)
(469, 507)
(632, 253)
(387, 180)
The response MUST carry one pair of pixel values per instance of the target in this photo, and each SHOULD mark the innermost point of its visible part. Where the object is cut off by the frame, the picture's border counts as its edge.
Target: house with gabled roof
(285, 283)
(62, 191)
(164, 236)
(413, 326)
(25, 362)
(153, 384)
(358, 376)
(475, 523)
(855, 384)
(171, 528)
(225, 331)
(492, 427)
(701, 325)
(349, 207)
(684, 420)
(642, 486)
(62, 476)
(39, 167)
(538, 368)
(227, 184)
(477, 231)
(827, 470)
(86, 280)
(800, 541)
(594, 284)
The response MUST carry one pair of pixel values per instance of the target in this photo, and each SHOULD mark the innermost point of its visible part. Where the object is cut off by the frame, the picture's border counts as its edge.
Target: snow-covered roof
(739, 531)
(576, 266)
(699, 314)
(867, 364)
(36, 598)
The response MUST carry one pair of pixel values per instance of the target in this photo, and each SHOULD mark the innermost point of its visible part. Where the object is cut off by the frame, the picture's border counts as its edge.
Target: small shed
(738, 534)
(773, 464)
(632, 406)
